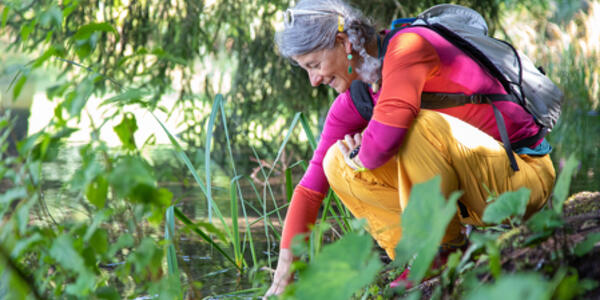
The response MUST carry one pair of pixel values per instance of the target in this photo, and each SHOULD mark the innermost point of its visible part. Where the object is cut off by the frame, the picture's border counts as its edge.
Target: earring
(349, 65)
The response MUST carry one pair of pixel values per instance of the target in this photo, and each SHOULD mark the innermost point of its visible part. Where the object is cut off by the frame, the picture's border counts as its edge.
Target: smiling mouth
(331, 81)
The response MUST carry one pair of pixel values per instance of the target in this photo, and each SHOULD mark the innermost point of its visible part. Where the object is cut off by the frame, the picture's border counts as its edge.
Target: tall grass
(241, 242)
(569, 49)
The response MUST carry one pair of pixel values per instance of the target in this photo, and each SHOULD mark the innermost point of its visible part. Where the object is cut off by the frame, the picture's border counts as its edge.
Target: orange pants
(437, 144)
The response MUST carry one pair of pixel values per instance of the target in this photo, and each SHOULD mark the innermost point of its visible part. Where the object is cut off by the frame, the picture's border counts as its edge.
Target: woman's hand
(282, 277)
(349, 148)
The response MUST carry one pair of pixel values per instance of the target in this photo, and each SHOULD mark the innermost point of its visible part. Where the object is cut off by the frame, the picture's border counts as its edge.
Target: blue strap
(402, 22)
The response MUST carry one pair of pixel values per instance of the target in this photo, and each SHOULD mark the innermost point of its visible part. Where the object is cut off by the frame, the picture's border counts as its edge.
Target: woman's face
(329, 66)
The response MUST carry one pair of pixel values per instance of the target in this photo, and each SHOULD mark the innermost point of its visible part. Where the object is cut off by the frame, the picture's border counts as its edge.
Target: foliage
(516, 286)
(509, 204)
(159, 47)
(423, 225)
(133, 54)
(337, 276)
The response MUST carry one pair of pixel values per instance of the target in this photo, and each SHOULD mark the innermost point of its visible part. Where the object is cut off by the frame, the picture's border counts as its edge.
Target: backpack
(524, 83)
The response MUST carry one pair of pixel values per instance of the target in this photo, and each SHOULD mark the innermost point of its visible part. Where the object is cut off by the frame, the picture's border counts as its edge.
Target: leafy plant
(424, 222)
(508, 206)
(330, 275)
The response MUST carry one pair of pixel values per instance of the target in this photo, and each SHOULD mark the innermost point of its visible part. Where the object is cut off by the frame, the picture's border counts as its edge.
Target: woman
(372, 165)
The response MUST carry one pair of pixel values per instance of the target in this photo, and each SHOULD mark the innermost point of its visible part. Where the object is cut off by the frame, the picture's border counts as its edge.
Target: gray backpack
(525, 84)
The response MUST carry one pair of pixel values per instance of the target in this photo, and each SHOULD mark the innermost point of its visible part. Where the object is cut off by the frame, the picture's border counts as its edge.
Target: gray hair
(313, 24)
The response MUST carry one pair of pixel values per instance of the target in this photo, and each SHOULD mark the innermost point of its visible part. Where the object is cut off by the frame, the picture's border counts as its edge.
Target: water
(206, 273)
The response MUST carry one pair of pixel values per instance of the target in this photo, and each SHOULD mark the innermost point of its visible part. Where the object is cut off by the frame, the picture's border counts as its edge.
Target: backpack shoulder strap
(359, 92)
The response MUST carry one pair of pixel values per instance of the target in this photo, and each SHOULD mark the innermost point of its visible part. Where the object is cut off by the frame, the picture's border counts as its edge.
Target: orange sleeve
(303, 211)
(409, 62)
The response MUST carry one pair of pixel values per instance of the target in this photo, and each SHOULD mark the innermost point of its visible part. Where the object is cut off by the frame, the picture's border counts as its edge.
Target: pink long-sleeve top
(417, 60)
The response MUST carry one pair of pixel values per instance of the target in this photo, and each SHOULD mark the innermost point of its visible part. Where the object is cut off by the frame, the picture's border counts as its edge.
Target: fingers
(357, 139)
(275, 289)
(343, 148)
(353, 141)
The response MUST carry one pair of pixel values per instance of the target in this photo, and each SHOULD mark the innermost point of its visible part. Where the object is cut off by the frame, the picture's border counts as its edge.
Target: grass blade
(207, 160)
(311, 138)
(183, 218)
(169, 235)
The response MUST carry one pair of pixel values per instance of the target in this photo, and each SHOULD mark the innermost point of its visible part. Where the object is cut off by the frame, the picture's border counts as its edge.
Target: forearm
(302, 212)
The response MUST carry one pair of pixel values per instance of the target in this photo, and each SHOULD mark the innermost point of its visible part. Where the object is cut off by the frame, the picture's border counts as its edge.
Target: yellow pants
(437, 144)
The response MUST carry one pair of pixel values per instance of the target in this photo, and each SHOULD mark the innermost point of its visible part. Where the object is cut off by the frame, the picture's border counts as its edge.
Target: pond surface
(203, 267)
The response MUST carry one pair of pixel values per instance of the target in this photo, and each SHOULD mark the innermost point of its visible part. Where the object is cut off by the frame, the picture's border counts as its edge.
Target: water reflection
(205, 271)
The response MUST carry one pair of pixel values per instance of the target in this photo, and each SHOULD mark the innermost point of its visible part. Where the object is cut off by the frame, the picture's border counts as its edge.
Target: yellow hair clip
(340, 24)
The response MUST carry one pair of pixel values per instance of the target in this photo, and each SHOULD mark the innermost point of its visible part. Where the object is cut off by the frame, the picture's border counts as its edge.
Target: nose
(315, 78)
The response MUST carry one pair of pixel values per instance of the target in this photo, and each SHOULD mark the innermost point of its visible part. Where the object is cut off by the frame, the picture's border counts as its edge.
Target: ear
(342, 39)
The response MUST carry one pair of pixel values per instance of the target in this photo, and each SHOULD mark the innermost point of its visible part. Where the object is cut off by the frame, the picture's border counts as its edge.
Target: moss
(582, 203)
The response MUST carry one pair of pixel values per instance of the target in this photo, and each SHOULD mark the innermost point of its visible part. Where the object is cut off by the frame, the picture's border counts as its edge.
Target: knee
(332, 163)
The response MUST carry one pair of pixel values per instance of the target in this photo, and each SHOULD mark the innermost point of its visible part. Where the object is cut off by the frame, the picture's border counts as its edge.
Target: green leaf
(26, 31)
(525, 286)
(82, 286)
(52, 17)
(124, 241)
(97, 191)
(24, 245)
(99, 241)
(83, 49)
(126, 130)
(208, 228)
(4, 16)
(44, 57)
(79, 97)
(85, 32)
(23, 214)
(507, 205)
(563, 183)
(99, 218)
(15, 193)
(19, 87)
(147, 258)
(341, 269)
(107, 293)
(130, 96)
(545, 220)
(424, 223)
(128, 173)
(64, 253)
(587, 245)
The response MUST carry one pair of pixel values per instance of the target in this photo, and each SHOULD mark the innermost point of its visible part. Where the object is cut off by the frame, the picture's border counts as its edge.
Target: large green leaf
(545, 220)
(86, 31)
(519, 286)
(423, 226)
(66, 255)
(128, 173)
(97, 191)
(126, 130)
(340, 270)
(509, 204)
(587, 245)
(4, 17)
